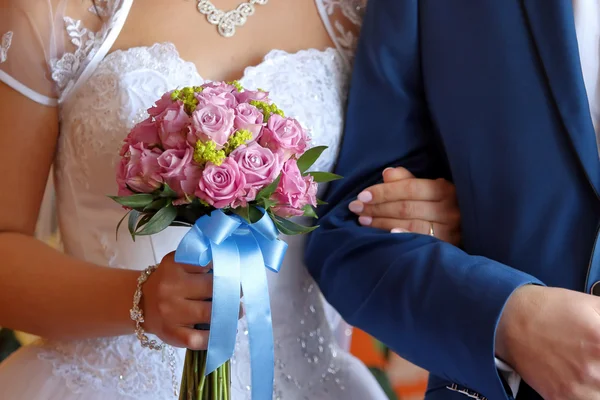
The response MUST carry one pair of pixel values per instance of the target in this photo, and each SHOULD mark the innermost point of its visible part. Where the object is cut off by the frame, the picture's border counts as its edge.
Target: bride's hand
(175, 297)
(404, 203)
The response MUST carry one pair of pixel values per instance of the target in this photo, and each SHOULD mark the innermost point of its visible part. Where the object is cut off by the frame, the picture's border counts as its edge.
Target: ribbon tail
(226, 303)
(258, 315)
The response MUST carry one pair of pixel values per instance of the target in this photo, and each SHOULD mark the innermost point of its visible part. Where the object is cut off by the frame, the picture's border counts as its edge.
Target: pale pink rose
(172, 164)
(211, 122)
(249, 95)
(161, 105)
(217, 97)
(311, 191)
(294, 191)
(173, 125)
(139, 170)
(145, 132)
(285, 136)
(222, 186)
(192, 174)
(259, 165)
(250, 118)
(287, 211)
(218, 87)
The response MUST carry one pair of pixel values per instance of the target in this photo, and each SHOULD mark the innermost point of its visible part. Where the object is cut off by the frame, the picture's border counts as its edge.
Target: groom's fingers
(408, 189)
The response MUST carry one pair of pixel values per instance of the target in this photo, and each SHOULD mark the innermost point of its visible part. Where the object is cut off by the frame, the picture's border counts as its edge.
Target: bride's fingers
(425, 210)
(196, 269)
(189, 338)
(396, 174)
(190, 312)
(408, 189)
(196, 287)
(441, 231)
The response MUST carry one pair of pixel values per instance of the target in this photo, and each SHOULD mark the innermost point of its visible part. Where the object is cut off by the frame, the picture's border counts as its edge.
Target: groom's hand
(551, 337)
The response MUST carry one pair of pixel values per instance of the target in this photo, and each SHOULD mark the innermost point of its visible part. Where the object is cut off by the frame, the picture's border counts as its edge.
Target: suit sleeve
(429, 301)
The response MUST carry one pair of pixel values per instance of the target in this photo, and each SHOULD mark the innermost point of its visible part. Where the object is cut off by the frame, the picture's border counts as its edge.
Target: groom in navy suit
(489, 94)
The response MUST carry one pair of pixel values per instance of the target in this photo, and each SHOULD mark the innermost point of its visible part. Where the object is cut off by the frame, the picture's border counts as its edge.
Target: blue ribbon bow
(239, 252)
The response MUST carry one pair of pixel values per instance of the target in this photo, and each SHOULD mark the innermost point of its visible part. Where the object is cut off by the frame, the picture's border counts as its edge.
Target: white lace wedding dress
(101, 96)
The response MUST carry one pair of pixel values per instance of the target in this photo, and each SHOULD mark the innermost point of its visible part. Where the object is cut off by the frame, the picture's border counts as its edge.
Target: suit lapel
(552, 27)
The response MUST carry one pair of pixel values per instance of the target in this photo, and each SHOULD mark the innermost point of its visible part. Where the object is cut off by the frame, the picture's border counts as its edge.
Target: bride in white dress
(77, 77)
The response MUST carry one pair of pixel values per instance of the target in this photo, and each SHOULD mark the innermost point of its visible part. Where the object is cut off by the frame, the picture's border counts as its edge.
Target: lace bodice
(101, 98)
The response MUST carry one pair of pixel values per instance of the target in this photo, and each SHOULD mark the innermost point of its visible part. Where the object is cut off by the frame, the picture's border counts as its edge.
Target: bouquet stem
(196, 386)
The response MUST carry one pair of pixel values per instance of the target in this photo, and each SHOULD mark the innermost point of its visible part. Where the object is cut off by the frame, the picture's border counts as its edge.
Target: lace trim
(67, 69)
(6, 42)
(102, 8)
(343, 21)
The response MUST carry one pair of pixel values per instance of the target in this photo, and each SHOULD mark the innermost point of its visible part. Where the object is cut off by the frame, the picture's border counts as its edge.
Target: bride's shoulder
(350, 10)
(45, 43)
(343, 19)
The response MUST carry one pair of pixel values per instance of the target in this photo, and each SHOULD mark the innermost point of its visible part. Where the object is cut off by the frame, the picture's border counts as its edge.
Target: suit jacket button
(595, 290)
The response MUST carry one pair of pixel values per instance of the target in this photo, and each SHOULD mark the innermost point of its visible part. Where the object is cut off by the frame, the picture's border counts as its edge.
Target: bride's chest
(310, 85)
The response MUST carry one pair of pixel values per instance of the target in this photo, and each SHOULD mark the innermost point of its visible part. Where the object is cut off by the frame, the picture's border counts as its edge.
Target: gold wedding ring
(431, 230)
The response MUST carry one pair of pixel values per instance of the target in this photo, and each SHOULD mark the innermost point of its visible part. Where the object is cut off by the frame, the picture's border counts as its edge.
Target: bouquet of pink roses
(228, 163)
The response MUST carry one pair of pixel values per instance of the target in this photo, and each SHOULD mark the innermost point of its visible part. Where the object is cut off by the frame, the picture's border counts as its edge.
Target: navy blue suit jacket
(488, 93)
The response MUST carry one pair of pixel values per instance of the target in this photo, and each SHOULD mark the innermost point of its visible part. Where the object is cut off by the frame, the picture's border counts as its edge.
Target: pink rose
(250, 118)
(218, 87)
(172, 164)
(139, 170)
(284, 136)
(221, 186)
(294, 191)
(217, 97)
(249, 95)
(259, 165)
(145, 132)
(161, 105)
(192, 174)
(211, 122)
(172, 126)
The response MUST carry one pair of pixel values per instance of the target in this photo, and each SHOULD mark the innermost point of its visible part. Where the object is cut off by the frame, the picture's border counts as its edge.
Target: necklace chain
(228, 21)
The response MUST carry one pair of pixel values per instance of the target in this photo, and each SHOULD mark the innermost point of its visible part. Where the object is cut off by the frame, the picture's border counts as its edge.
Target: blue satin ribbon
(239, 252)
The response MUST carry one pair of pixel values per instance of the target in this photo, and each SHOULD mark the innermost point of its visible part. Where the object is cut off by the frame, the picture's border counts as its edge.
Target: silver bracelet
(137, 314)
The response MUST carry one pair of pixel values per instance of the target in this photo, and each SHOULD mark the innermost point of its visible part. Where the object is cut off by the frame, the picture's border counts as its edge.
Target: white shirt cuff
(510, 376)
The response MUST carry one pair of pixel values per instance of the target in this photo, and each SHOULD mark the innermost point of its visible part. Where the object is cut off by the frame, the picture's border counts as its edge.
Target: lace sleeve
(343, 19)
(30, 39)
(47, 44)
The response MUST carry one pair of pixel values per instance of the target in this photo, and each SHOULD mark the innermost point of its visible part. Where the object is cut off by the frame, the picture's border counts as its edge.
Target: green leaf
(168, 192)
(268, 191)
(308, 159)
(309, 211)
(321, 202)
(242, 212)
(179, 223)
(266, 203)
(255, 214)
(323, 177)
(250, 214)
(290, 228)
(159, 221)
(119, 224)
(143, 221)
(132, 223)
(140, 200)
(157, 204)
